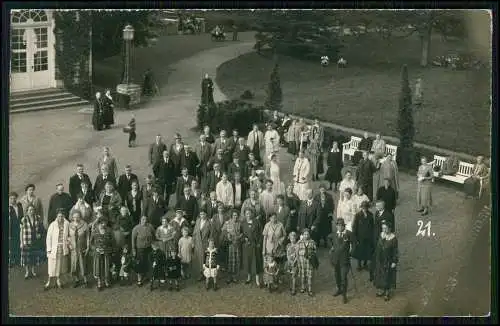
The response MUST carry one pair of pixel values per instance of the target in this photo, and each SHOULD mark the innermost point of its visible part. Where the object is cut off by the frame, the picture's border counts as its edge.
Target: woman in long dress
(346, 209)
(472, 184)
(110, 202)
(386, 260)
(109, 114)
(201, 234)
(32, 233)
(274, 241)
(424, 186)
(57, 249)
(359, 198)
(273, 173)
(97, 114)
(362, 230)
(252, 251)
(79, 245)
(334, 166)
(301, 176)
(347, 182)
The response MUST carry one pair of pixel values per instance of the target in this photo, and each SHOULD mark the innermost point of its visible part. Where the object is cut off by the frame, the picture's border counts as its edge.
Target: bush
(274, 92)
(235, 114)
(247, 95)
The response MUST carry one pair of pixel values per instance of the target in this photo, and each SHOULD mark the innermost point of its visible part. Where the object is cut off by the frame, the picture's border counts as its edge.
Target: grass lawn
(167, 50)
(456, 110)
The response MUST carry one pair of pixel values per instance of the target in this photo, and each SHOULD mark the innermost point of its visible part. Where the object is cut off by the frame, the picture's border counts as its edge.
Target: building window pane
(18, 62)
(22, 16)
(41, 62)
(41, 37)
(17, 39)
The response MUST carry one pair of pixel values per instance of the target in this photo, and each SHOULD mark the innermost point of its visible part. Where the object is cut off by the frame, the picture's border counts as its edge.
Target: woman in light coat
(79, 245)
(57, 248)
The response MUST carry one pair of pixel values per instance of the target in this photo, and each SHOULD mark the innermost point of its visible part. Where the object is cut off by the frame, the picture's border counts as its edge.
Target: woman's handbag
(126, 129)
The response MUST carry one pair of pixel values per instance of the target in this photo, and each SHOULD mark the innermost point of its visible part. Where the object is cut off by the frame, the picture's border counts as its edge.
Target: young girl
(186, 248)
(158, 260)
(210, 266)
(126, 262)
(305, 249)
(173, 267)
(102, 241)
(271, 271)
(291, 263)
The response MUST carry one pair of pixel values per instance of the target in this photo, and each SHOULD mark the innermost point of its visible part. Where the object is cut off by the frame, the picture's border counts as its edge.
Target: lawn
(167, 50)
(456, 110)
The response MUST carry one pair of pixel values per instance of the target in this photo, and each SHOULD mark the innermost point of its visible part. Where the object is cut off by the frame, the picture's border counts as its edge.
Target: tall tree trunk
(425, 37)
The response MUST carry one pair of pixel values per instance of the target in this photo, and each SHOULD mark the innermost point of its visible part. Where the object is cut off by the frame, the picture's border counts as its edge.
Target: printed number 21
(424, 230)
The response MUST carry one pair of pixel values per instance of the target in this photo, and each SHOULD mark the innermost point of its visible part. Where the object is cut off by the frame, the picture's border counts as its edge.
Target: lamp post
(128, 37)
(128, 89)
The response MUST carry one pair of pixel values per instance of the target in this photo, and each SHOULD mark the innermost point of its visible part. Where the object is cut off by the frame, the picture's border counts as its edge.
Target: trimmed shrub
(274, 92)
(405, 121)
(234, 114)
(247, 95)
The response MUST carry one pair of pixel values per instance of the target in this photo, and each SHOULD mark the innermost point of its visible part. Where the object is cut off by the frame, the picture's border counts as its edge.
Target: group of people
(103, 114)
(232, 213)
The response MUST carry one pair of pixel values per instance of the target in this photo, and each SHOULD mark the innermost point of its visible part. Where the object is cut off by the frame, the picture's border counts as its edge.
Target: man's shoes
(336, 294)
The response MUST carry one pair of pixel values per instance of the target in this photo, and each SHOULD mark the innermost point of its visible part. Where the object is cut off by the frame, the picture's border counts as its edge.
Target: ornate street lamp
(128, 37)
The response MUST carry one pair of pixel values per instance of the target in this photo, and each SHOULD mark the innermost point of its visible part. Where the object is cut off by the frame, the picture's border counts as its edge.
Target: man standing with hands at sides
(341, 257)
(125, 181)
(203, 151)
(176, 153)
(241, 149)
(189, 205)
(75, 182)
(156, 150)
(309, 215)
(255, 141)
(164, 172)
(59, 200)
(301, 176)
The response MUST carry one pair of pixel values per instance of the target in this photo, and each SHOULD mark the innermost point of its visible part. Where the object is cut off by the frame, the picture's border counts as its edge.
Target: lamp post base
(132, 90)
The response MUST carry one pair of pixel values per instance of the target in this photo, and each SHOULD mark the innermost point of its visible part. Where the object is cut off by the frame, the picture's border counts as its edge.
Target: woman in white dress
(57, 249)
(347, 182)
(301, 176)
(359, 198)
(346, 209)
(273, 174)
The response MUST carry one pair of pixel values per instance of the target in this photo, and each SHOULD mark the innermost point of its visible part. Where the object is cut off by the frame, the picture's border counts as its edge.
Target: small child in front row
(126, 262)
(210, 265)
(173, 267)
(158, 261)
(291, 263)
(131, 132)
(271, 271)
(186, 248)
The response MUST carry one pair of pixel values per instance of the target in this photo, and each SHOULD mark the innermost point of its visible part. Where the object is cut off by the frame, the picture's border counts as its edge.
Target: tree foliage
(274, 92)
(405, 120)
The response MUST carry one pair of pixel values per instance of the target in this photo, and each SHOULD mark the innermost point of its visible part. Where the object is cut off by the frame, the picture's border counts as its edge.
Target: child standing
(306, 248)
(126, 261)
(102, 241)
(291, 263)
(210, 266)
(186, 248)
(271, 271)
(158, 262)
(173, 267)
(131, 132)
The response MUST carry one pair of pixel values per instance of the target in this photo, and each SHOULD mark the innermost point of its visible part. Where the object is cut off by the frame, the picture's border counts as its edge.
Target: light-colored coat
(53, 239)
(272, 142)
(251, 138)
(225, 193)
(301, 170)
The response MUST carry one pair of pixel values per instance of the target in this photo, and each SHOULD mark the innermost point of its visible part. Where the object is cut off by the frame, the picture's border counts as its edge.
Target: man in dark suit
(388, 195)
(155, 150)
(219, 159)
(240, 190)
(308, 214)
(183, 181)
(223, 144)
(210, 206)
(326, 207)
(233, 142)
(75, 182)
(364, 175)
(59, 200)
(237, 167)
(341, 257)
(147, 190)
(87, 193)
(125, 182)
(154, 209)
(364, 145)
(282, 212)
(189, 205)
(101, 179)
(190, 160)
(165, 176)
(212, 178)
(176, 153)
(15, 215)
(242, 150)
(203, 152)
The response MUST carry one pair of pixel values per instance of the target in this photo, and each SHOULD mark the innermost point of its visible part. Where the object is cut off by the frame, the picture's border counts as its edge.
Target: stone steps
(46, 99)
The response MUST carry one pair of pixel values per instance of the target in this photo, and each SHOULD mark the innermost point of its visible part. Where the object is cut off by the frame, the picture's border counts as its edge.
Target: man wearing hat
(176, 154)
(341, 257)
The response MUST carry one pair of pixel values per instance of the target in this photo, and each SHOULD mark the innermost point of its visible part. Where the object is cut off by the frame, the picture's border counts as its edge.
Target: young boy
(291, 263)
(131, 132)
(210, 266)
(158, 261)
(126, 262)
(173, 267)
(186, 248)
(271, 271)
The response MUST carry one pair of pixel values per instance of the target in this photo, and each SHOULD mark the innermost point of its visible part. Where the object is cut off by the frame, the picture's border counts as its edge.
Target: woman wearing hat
(363, 230)
(57, 248)
(386, 260)
(111, 202)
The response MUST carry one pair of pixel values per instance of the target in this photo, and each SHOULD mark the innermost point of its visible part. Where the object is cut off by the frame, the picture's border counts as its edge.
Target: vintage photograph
(248, 163)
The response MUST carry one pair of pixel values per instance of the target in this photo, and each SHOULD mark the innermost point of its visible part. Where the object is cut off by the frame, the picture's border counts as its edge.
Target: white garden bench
(349, 148)
(393, 150)
(465, 170)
